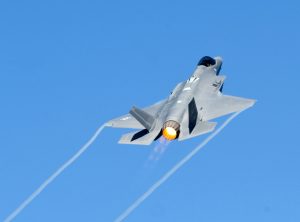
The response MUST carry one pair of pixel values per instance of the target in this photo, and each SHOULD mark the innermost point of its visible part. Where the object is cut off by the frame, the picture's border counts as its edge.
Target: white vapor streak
(163, 179)
(53, 176)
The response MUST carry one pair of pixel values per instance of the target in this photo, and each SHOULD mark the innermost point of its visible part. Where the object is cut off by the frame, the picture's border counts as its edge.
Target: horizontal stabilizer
(126, 121)
(201, 127)
(143, 137)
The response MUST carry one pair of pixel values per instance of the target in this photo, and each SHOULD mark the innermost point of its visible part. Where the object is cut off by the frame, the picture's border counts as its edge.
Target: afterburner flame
(169, 133)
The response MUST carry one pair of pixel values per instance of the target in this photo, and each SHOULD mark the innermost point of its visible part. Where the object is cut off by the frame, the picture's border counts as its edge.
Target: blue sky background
(66, 67)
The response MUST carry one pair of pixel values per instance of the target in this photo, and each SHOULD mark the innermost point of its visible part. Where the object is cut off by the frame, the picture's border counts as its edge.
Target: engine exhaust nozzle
(171, 130)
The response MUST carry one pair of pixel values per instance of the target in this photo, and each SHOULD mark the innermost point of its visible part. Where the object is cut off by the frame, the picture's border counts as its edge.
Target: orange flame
(169, 133)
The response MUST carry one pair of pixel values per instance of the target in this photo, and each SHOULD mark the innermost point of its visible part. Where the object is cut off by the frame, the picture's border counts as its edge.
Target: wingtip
(249, 104)
(253, 101)
(109, 124)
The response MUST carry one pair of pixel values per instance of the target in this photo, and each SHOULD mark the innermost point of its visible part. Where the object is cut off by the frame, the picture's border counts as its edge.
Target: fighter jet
(187, 112)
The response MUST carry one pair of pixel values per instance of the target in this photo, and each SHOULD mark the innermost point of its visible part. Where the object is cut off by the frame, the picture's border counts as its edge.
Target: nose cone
(218, 59)
(218, 65)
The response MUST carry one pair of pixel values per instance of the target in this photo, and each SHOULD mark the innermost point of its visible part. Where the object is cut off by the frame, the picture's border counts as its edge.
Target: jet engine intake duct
(171, 129)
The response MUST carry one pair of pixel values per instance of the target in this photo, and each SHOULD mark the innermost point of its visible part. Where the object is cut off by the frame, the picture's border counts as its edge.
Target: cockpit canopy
(206, 61)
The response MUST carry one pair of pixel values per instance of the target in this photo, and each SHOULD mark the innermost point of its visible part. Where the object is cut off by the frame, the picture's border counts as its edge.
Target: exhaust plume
(157, 152)
(163, 179)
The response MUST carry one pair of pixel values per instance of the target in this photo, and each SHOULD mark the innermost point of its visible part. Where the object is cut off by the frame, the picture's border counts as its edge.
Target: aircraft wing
(217, 105)
(128, 121)
(200, 111)
(200, 128)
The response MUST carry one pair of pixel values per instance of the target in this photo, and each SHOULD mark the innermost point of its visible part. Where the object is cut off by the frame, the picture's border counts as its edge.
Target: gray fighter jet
(187, 111)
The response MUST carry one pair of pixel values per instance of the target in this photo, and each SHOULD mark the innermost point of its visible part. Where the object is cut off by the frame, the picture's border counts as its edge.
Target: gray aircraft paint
(192, 104)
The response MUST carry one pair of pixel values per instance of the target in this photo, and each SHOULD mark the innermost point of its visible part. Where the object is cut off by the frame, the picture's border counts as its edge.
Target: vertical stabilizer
(143, 117)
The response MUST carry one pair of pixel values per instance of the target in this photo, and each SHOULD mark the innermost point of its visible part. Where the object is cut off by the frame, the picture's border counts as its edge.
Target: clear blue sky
(66, 67)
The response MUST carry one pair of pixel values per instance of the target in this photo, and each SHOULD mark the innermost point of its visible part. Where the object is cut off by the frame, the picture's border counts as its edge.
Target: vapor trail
(163, 179)
(54, 175)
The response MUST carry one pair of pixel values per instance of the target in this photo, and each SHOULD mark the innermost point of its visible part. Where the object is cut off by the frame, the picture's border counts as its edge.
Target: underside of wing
(143, 137)
(200, 128)
(192, 126)
(128, 121)
(218, 105)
